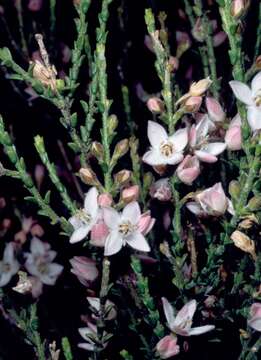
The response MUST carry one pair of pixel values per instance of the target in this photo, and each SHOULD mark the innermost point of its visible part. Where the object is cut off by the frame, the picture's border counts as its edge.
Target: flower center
(83, 216)
(126, 228)
(167, 149)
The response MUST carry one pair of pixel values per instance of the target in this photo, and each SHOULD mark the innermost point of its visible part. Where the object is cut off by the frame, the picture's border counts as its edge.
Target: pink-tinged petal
(113, 243)
(195, 208)
(132, 212)
(99, 233)
(185, 315)
(175, 159)
(202, 128)
(79, 234)
(205, 156)
(201, 329)
(230, 207)
(111, 217)
(219, 38)
(215, 111)
(153, 158)
(138, 242)
(255, 324)
(254, 117)
(255, 310)
(242, 92)
(187, 176)
(169, 313)
(215, 148)
(192, 136)
(256, 83)
(179, 139)
(91, 202)
(156, 134)
(146, 223)
(167, 347)
(236, 121)
(37, 247)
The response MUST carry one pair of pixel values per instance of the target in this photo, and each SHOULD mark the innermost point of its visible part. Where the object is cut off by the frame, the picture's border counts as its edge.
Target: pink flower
(215, 111)
(211, 201)
(182, 322)
(85, 269)
(161, 190)
(165, 150)
(233, 137)
(130, 194)
(105, 199)
(189, 169)
(167, 347)
(35, 5)
(146, 223)
(255, 317)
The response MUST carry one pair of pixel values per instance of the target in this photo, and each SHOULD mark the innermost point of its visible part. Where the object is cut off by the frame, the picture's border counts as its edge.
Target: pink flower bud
(155, 105)
(215, 110)
(188, 170)
(193, 104)
(37, 230)
(146, 223)
(130, 194)
(219, 38)
(85, 269)
(255, 317)
(35, 5)
(173, 63)
(39, 173)
(213, 200)
(99, 233)
(233, 138)
(105, 199)
(167, 347)
(161, 190)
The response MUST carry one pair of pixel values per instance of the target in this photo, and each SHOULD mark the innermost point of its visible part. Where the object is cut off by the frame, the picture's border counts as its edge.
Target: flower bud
(234, 189)
(45, 75)
(39, 173)
(88, 176)
(239, 8)
(146, 223)
(254, 203)
(105, 199)
(97, 150)
(215, 110)
(122, 177)
(189, 169)
(193, 104)
(85, 269)
(155, 105)
(219, 38)
(130, 194)
(173, 63)
(121, 149)
(200, 87)
(35, 5)
(243, 242)
(112, 123)
(167, 347)
(233, 138)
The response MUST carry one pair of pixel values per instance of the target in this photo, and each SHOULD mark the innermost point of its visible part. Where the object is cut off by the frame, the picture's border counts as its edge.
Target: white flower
(165, 149)
(252, 99)
(199, 142)
(39, 262)
(85, 219)
(88, 333)
(182, 322)
(110, 311)
(8, 265)
(124, 229)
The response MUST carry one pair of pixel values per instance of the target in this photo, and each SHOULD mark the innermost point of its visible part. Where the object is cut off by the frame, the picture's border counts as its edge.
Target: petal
(94, 302)
(179, 139)
(230, 207)
(242, 92)
(254, 117)
(205, 156)
(79, 234)
(75, 222)
(256, 83)
(132, 212)
(153, 158)
(86, 346)
(91, 202)
(111, 217)
(8, 256)
(5, 277)
(195, 208)
(113, 243)
(156, 134)
(255, 323)
(84, 332)
(138, 242)
(175, 159)
(185, 314)
(169, 312)
(215, 148)
(201, 329)
(37, 247)
(202, 128)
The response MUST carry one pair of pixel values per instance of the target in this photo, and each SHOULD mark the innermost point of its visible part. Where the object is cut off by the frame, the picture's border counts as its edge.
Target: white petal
(94, 302)
(113, 243)
(215, 148)
(195, 208)
(256, 83)
(156, 134)
(205, 156)
(111, 217)
(37, 247)
(169, 312)
(132, 212)
(79, 234)
(254, 117)
(242, 92)
(138, 242)
(54, 270)
(255, 323)
(86, 346)
(185, 314)
(5, 277)
(179, 139)
(91, 202)
(8, 256)
(175, 159)
(202, 128)
(230, 207)
(201, 329)
(153, 158)
(84, 332)
(75, 222)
